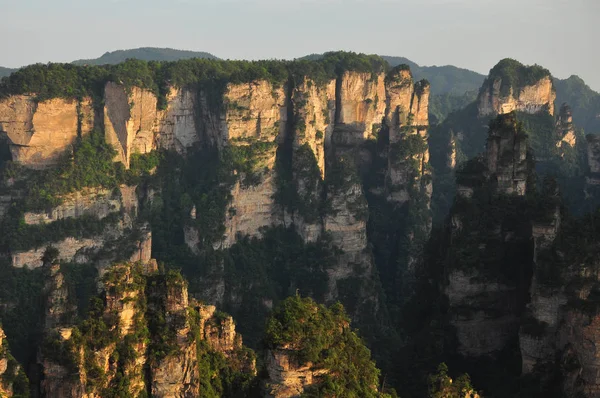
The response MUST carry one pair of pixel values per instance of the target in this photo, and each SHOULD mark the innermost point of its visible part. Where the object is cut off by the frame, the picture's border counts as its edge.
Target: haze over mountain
(144, 54)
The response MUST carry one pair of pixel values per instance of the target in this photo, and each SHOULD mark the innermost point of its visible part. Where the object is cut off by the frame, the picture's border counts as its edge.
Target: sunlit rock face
(40, 133)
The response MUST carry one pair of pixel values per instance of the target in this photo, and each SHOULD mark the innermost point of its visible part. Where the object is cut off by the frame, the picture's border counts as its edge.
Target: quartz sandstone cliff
(137, 301)
(529, 99)
(40, 132)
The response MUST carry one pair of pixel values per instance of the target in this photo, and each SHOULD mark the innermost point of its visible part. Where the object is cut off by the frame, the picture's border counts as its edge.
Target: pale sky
(561, 35)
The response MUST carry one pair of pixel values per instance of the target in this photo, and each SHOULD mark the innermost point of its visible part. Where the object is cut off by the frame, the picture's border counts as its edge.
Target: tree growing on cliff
(442, 386)
(321, 338)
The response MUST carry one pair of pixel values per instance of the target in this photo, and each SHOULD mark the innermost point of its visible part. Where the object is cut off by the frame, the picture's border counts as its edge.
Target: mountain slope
(443, 79)
(5, 71)
(584, 101)
(145, 54)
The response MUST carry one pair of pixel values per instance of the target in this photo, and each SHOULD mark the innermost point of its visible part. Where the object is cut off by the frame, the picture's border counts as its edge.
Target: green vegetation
(71, 81)
(6, 71)
(584, 101)
(273, 268)
(322, 336)
(89, 164)
(298, 187)
(13, 375)
(22, 320)
(442, 386)
(220, 376)
(514, 75)
(442, 105)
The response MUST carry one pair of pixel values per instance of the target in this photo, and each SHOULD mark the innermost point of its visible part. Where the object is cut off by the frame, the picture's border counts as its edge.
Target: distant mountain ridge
(584, 102)
(444, 79)
(6, 71)
(144, 54)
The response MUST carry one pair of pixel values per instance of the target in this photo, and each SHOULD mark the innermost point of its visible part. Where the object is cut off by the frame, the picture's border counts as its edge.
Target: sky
(561, 35)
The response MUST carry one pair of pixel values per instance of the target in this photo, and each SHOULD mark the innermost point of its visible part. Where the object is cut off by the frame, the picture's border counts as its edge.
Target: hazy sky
(561, 35)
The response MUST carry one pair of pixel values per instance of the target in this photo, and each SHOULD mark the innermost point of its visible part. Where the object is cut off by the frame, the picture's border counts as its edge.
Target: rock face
(130, 120)
(287, 376)
(506, 155)
(254, 114)
(178, 128)
(485, 288)
(507, 90)
(40, 132)
(360, 107)
(564, 127)
(97, 202)
(9, 368)
(314, 108)
(407, 104)
(138, 300)
(479, 334)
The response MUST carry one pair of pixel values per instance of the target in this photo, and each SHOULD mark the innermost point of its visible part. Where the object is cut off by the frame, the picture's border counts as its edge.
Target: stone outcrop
(360, 107)
(40, 132)
(9, 368)
(70, 250)
(506, 155)
(486, 301)
(314, 113)
(565, 132)
(98, 202)
(407, 104)
(498, 96)
(288, 378)
(136, 298)
(347, 226)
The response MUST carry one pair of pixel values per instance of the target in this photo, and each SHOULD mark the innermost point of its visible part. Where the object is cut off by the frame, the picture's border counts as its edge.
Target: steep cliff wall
(360, 107)
(130, 118)
(565, 131)
(512, 86)
(40, 132)
(490, 258)
(506, 155)
(143, 320)
(178, 127)
(114, 233)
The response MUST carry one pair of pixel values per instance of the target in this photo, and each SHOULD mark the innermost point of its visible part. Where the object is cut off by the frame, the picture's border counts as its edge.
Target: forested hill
(5, 71)
(584, 101)
(144, 54)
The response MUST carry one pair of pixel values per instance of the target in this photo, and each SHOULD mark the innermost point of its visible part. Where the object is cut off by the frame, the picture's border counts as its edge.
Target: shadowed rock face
(485, 299)
(506, 155)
